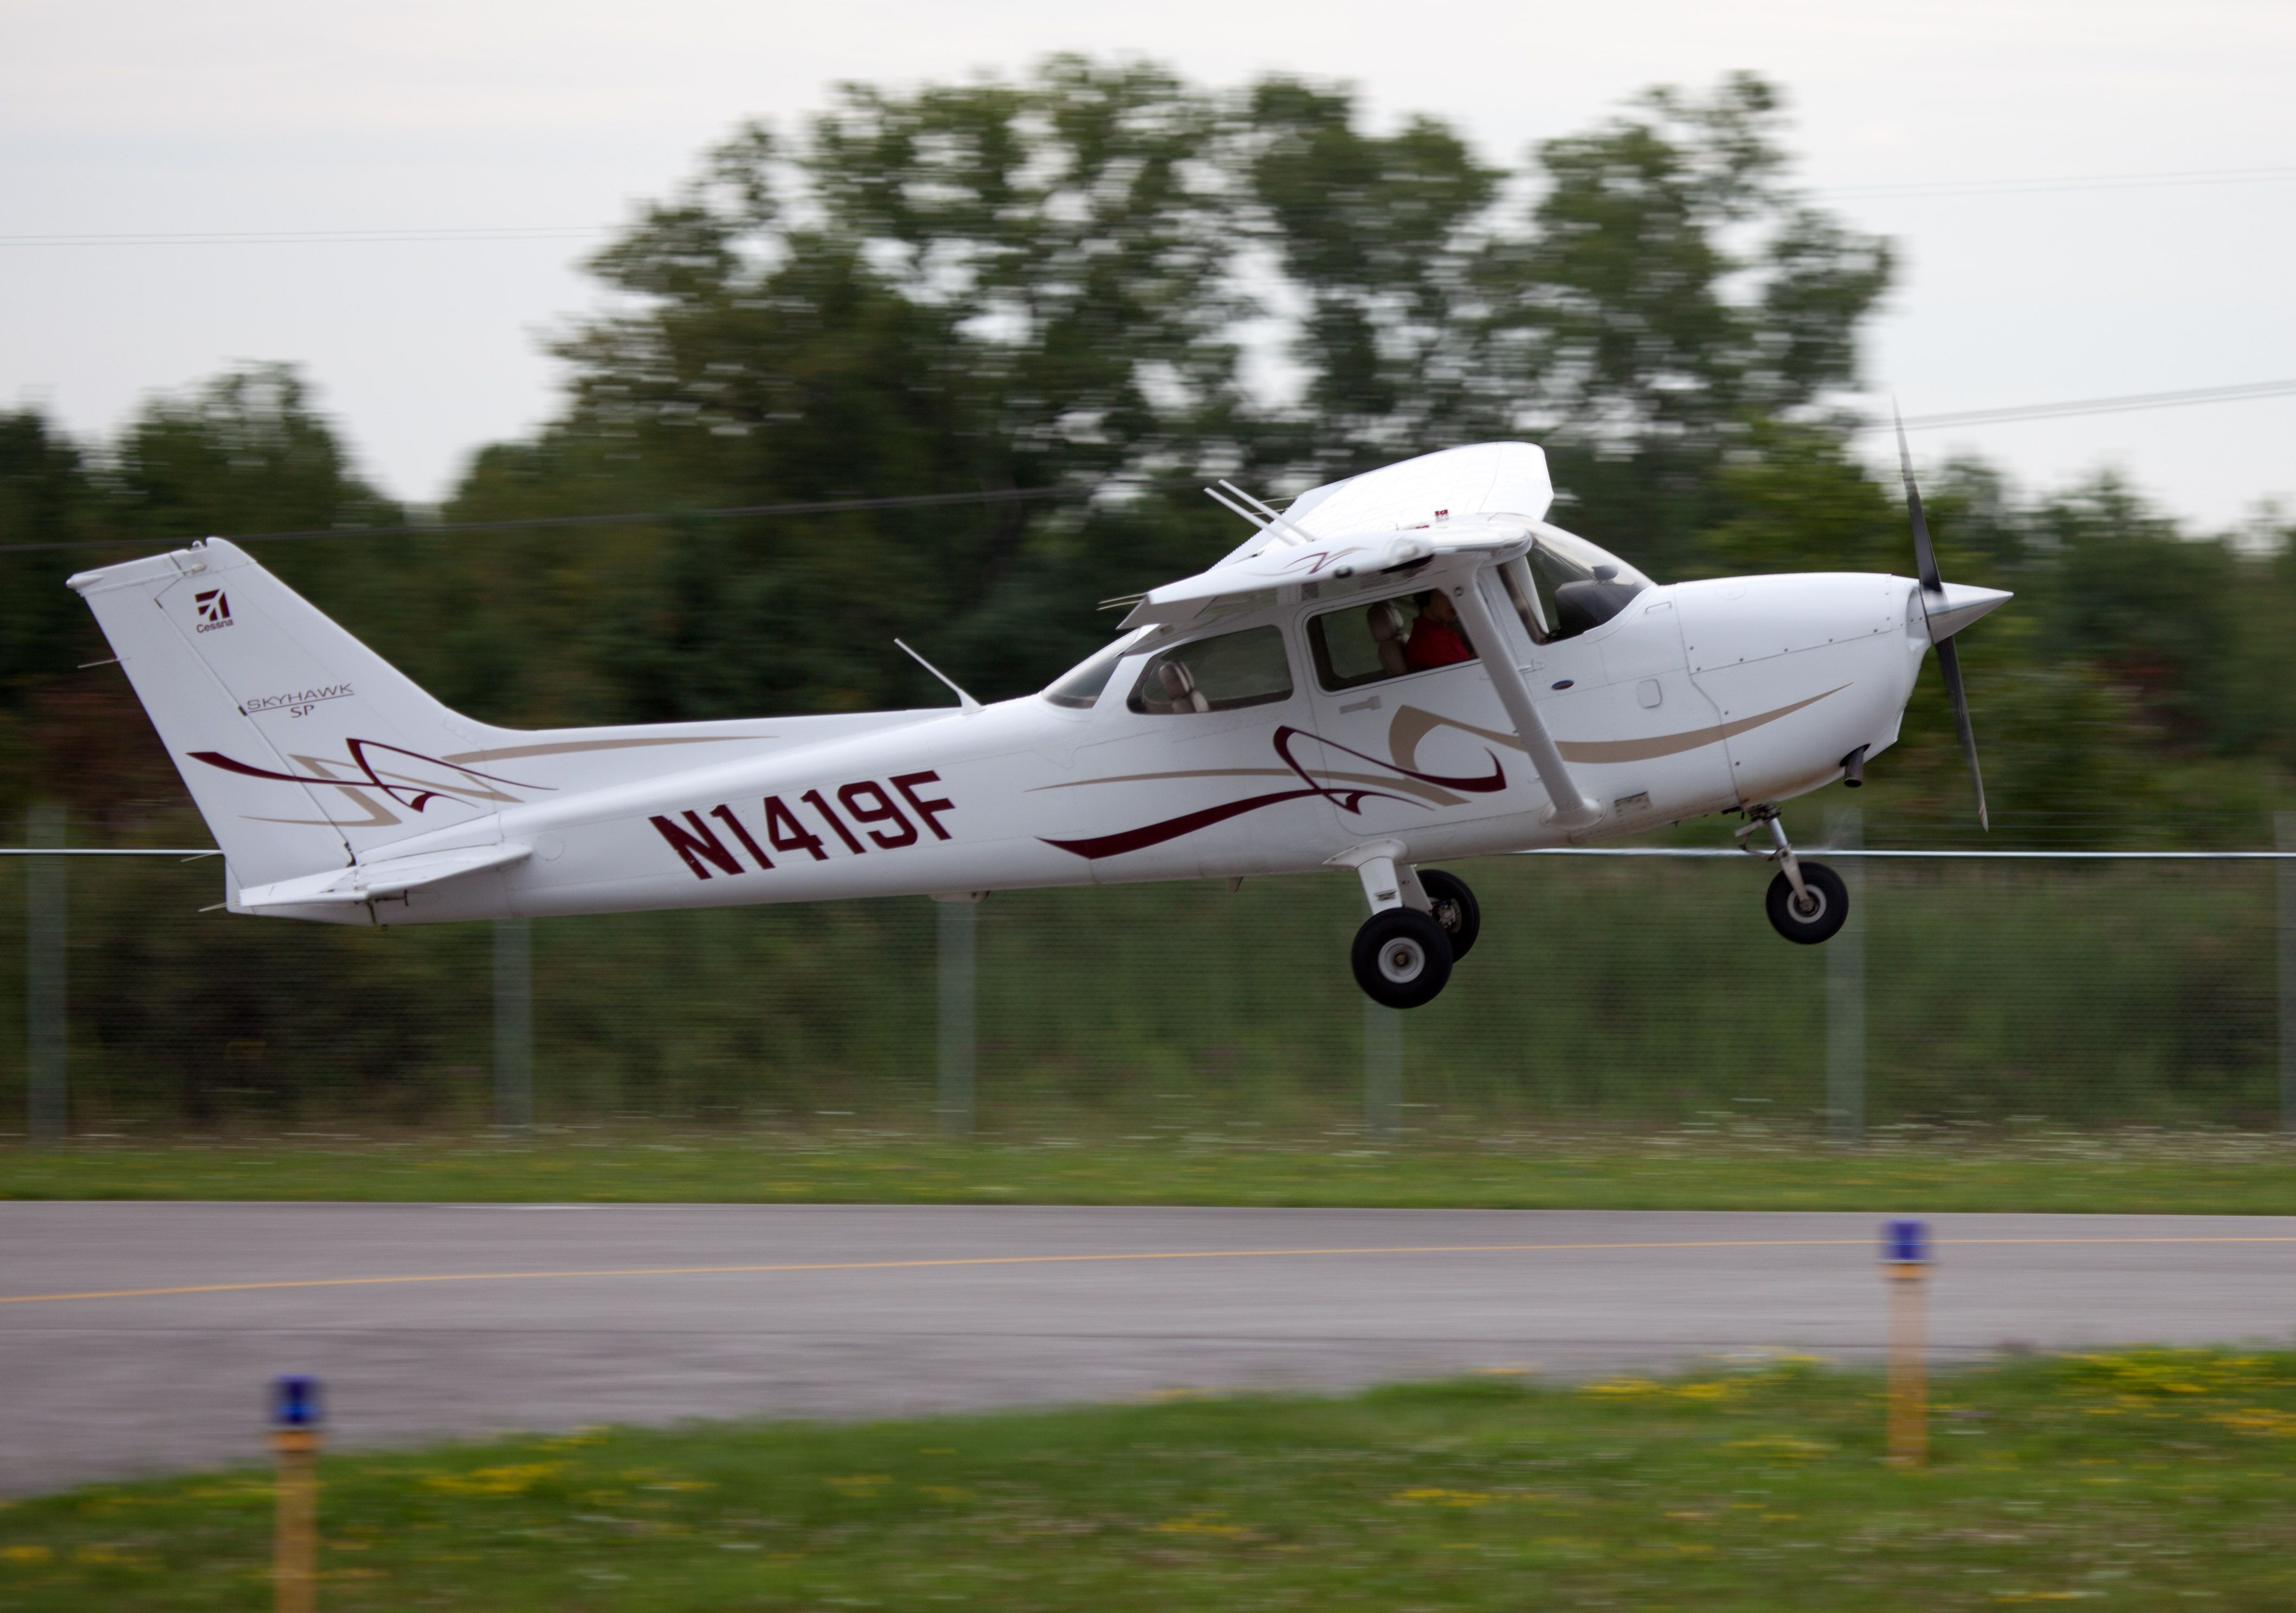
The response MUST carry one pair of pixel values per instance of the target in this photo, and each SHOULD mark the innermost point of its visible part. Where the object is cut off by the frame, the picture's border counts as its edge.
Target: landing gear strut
(1807, 902)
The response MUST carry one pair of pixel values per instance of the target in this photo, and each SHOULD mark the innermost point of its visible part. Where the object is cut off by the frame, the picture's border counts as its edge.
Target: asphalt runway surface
(139, 1338)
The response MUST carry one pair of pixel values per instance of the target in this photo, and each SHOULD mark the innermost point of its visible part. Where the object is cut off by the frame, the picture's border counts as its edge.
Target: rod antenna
(964, 701)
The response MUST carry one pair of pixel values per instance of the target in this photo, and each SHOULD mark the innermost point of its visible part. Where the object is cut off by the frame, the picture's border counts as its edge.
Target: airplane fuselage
(1693, 699)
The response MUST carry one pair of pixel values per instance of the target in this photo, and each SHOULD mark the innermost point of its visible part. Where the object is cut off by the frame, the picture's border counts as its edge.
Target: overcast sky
(133, 116)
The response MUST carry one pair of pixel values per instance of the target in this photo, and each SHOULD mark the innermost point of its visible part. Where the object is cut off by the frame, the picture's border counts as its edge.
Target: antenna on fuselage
(964, 701)
(1300, 534)
(1232, 508)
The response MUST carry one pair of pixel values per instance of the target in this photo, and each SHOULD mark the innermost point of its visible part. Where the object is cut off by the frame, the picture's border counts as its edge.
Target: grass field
(2141, 1479)
(1740, 1168)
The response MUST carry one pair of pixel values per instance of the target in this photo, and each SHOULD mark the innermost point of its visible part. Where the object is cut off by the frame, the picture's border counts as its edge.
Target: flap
(372, 881)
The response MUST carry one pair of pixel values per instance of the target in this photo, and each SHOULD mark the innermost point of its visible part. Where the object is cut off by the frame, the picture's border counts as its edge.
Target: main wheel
(1829, 905)
(1402, 958)
(1456, 909)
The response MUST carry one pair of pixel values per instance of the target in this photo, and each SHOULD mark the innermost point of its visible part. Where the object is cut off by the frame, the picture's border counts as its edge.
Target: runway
(138, 1337)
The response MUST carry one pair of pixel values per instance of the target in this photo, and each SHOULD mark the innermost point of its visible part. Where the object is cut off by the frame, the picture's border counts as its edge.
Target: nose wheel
(1817, 914)
(1807, 902)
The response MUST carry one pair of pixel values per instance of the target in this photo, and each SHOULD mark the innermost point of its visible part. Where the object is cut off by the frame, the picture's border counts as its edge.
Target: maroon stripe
(216, 759)
(1172, 829)
(1489, 784)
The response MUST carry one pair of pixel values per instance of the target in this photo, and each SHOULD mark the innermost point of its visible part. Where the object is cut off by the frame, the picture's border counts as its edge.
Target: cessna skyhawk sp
(1408, 665)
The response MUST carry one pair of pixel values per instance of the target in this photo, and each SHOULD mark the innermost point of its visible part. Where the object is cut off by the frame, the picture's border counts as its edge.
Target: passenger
(1435, 639)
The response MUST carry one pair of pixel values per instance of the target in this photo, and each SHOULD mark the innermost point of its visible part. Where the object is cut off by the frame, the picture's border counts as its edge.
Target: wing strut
(1570, 809)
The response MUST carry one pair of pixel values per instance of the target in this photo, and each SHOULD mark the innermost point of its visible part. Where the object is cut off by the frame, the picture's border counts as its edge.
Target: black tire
(1832, 898)
(1402, 958)
(1456, 909)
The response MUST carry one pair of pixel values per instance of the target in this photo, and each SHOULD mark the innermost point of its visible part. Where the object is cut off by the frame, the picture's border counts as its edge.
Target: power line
(1886, 191)
(260, 237)
(191, 854)
(916, 501)
(819, 506)
(2074, 182)
(2096, 406)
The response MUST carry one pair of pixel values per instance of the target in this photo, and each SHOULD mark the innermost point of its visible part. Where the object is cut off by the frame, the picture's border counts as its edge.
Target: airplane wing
(1251, 582)
(1482, 479)
(1478, 502)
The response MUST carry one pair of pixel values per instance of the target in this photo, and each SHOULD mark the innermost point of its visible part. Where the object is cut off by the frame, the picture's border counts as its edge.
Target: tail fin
(302, 747)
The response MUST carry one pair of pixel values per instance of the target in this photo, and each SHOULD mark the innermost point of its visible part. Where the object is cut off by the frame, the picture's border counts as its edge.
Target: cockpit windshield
(1080, 685)
(1566, 586)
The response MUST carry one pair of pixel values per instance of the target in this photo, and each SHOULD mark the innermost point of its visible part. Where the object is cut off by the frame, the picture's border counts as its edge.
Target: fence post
(46, 1096)
(1845, 991)
(1382, 1039)
(2286, 823)
(959, 1036)
(514, 1024)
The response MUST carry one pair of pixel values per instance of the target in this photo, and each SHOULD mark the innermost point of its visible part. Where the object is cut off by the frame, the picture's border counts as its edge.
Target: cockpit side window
(1221, 673)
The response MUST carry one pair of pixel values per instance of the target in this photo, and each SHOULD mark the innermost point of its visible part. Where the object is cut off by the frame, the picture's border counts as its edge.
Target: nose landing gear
(1807, 902)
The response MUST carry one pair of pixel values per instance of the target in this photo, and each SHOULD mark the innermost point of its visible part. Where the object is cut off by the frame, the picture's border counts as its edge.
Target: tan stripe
(568, 746)
(1669, 744)
(1197, 773)
(1408, 786)
(1251, 1253)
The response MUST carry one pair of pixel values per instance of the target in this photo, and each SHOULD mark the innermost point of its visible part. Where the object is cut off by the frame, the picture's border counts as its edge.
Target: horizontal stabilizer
(384, 878)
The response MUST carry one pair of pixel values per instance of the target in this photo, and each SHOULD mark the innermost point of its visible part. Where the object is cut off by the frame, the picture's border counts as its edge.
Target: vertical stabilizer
(301, 746)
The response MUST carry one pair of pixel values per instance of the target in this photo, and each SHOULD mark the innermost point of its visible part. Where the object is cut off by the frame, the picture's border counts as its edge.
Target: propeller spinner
(1946, 609)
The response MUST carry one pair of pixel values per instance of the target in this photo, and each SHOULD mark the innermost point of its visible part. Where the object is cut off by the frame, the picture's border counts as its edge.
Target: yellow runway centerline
(981, 1260)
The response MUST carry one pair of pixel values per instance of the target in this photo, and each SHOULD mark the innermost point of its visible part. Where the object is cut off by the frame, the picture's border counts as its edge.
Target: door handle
(1370, 704)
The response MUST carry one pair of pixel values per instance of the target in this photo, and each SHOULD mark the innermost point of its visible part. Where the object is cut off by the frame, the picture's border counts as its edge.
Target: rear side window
(1222, 674)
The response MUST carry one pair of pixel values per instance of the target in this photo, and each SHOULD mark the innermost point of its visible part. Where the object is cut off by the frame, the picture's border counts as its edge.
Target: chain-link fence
(1629, 990)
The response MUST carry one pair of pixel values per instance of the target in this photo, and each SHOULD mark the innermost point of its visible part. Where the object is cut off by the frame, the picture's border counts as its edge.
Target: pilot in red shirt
(1435, 638)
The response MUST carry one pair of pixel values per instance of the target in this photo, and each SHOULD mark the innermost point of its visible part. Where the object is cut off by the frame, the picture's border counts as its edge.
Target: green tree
(1671, 293)
(1380, 238)
(1799, 500)
(998, 288)
(246, 452)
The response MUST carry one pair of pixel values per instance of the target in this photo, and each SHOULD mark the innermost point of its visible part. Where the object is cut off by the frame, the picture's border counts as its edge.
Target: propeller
(1934, 604)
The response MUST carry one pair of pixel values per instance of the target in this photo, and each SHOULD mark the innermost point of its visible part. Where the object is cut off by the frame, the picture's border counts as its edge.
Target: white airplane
(1408, 665)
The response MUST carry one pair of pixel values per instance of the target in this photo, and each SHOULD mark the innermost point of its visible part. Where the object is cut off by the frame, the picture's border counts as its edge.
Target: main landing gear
(1422, 922)
(1807, 902)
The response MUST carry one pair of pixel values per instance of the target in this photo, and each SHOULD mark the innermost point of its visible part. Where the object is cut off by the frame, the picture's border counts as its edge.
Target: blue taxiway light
(1905, 1242)
(296, 1403)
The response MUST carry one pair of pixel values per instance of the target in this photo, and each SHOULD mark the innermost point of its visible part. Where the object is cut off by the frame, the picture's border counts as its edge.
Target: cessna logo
(214, 609)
